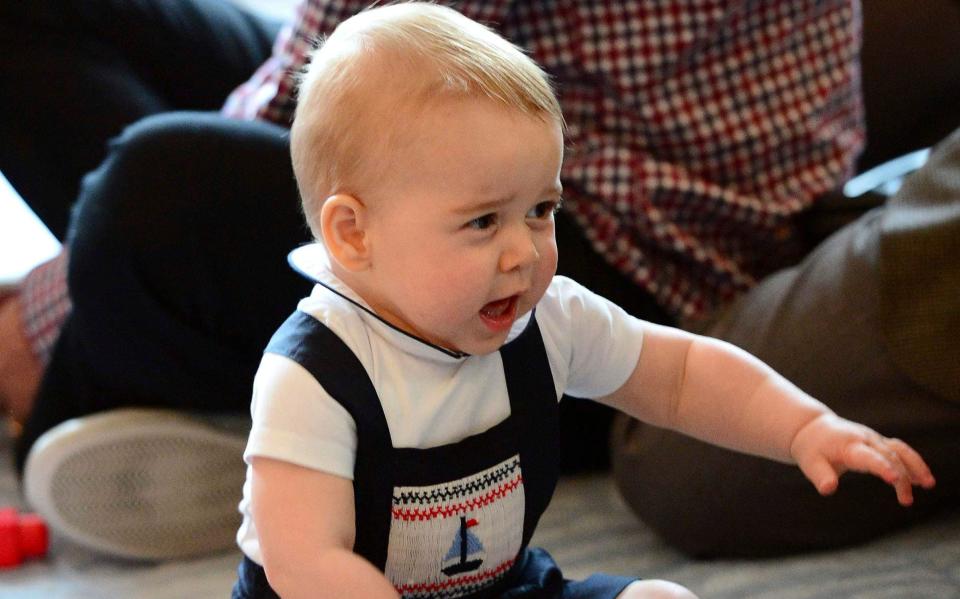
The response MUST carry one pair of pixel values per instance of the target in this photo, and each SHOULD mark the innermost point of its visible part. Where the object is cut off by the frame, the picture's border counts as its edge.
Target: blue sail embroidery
(465, 545)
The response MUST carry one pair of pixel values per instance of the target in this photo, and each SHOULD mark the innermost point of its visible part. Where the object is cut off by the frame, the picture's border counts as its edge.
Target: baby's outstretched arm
(719, 393)
(305, 523)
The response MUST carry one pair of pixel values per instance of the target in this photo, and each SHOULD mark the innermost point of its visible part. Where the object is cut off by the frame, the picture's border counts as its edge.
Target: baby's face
(462, 236)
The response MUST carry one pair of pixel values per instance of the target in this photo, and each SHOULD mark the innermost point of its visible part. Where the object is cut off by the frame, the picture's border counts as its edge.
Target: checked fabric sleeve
(45, 303)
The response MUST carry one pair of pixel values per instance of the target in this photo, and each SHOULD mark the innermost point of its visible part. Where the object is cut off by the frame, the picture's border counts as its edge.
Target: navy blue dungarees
(453, 520)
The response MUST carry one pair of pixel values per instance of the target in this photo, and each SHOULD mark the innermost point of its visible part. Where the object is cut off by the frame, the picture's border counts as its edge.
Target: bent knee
(656, 589)
(143, 173)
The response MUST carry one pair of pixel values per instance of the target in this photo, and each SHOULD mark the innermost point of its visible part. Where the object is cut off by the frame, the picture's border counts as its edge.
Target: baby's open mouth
(497, 308)
(501, 313)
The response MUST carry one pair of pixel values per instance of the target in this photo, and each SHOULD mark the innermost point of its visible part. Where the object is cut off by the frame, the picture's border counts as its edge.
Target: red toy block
(11, 555)
(34, 537)
(22, 536)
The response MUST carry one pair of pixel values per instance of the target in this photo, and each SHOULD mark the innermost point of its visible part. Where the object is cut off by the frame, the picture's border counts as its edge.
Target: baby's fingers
(917, 469)
(822, 474)
(885, 464)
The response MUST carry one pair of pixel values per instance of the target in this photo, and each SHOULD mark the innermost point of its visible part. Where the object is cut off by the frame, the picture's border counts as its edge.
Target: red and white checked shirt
(698, 129)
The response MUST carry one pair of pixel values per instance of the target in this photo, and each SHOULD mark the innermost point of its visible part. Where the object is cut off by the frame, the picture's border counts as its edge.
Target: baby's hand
(828, 446)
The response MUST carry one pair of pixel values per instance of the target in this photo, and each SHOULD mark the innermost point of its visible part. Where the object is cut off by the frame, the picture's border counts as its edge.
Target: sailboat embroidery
(465, 545)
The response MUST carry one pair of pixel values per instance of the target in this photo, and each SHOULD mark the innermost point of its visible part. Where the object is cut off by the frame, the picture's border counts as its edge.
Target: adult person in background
(702, 140)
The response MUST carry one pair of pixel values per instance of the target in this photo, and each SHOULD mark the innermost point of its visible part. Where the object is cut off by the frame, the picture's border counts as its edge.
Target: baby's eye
(483, 222)
(544, 210)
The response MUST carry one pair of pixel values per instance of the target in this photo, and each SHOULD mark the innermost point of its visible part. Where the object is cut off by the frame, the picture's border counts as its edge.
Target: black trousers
(177, 270)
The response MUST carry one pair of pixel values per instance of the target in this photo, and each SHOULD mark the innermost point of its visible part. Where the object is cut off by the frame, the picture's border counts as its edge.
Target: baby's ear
(343, 222)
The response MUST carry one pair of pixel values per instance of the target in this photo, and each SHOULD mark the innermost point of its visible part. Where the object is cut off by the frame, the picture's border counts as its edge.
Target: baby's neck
(352, 280)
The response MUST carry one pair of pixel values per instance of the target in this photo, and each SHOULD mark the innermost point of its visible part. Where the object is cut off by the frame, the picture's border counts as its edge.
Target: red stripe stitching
(408, 514)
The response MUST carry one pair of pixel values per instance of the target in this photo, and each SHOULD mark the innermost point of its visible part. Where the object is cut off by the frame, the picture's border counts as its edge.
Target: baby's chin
(492, 343)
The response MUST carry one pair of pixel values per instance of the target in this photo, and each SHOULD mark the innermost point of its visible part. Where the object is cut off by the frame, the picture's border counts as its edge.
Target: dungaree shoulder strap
(306, 341)
(533, 401)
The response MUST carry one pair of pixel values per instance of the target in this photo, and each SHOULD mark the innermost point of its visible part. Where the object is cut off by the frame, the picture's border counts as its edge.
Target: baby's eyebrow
(492, 205)
(484, 206)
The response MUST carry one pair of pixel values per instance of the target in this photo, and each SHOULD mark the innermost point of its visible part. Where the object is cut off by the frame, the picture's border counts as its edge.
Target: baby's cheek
(447, 294)
(549, 254)
(547, 268)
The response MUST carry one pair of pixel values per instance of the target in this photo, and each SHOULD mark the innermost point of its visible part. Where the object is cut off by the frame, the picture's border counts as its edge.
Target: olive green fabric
(920, 273)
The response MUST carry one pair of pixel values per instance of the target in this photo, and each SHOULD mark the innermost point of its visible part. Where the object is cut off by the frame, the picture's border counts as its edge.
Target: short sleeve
(592, 343)
(296, 421)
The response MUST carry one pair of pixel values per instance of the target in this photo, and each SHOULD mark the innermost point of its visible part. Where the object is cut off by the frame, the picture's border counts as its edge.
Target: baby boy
(404, 436)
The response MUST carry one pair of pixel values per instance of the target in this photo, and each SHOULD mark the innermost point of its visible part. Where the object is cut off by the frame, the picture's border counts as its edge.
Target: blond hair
(365, 83)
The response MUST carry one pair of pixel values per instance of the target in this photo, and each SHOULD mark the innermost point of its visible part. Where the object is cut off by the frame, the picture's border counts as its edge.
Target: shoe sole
(138, 483)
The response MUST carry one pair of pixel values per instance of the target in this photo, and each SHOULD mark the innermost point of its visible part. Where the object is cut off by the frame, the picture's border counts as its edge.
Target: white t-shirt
(429, 398)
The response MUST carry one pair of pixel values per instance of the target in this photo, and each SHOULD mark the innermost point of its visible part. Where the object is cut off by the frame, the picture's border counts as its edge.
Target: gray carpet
(587, 529)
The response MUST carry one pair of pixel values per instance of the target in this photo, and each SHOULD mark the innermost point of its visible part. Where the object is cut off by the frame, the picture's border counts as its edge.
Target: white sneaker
(139, 483)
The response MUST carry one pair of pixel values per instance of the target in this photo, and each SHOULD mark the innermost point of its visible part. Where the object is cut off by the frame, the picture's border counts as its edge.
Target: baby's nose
(520, 252)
